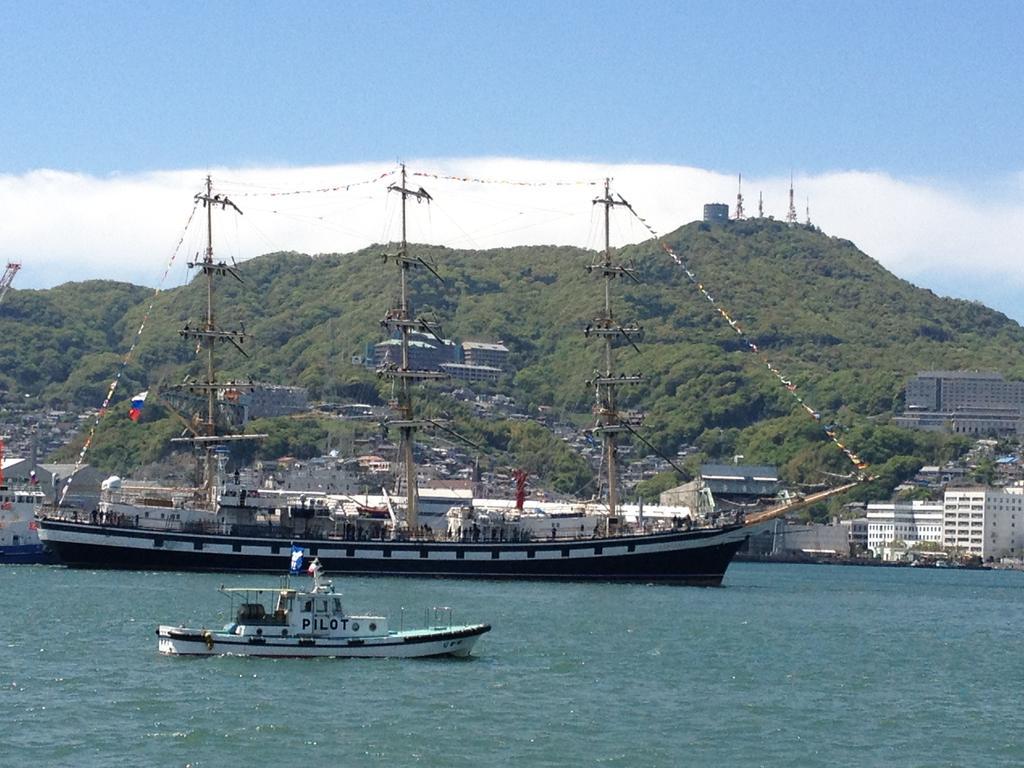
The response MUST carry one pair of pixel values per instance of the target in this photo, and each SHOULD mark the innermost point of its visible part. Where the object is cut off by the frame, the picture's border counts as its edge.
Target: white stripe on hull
(389, 648)
(366, 550)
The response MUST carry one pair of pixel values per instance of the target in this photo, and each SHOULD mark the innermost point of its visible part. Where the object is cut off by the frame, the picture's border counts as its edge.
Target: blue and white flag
(297, 555)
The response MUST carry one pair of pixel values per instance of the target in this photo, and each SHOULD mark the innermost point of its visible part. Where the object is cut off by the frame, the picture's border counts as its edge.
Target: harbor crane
(8, 278)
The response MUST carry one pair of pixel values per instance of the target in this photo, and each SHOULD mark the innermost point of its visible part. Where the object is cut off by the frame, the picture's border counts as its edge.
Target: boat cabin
(287, 612)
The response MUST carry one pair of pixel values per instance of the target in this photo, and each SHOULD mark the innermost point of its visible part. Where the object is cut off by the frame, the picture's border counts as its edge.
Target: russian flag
(297, 555)
(137, 403)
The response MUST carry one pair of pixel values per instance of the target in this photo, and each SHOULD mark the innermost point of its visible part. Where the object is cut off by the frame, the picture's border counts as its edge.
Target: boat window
(307, 606)
(321, 605)
(337, 605)
(251, 612)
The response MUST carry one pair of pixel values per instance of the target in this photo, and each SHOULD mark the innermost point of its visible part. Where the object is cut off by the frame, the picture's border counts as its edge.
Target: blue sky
(901, 121)
(922, 89)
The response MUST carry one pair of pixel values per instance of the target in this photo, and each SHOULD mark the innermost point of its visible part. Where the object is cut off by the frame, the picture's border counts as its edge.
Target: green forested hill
(54, 342)
(838, 324)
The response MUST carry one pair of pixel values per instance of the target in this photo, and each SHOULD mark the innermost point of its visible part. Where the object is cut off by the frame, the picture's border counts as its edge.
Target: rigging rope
(721, 310)
(127, 358)
(320, 190)
(830, 432)
(476, 180)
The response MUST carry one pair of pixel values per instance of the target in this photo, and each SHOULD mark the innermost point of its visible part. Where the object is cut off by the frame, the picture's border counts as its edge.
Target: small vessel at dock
(19, 534)
(288, 622)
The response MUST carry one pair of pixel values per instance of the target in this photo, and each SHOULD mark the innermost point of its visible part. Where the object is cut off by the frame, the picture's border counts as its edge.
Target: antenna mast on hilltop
(740, 216)
(400, 319)
(606, 382)
(760, 205)
(808, 210)
(791, 213)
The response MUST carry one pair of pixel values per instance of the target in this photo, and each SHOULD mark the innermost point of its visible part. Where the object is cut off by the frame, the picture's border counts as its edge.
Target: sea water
(784, 665)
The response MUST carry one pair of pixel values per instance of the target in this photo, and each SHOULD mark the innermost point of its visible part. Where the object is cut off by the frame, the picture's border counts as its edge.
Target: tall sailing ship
(223, 524)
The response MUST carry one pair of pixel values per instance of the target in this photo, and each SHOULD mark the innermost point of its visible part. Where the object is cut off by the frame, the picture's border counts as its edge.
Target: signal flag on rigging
(137, 402)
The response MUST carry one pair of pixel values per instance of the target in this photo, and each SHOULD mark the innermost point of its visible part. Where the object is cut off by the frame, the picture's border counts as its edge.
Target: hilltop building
(716, 213)
(469, 361)
(426, 352)
(480, 361)
(264, 401)
(964, 402)
(471, 372)
(484, 354)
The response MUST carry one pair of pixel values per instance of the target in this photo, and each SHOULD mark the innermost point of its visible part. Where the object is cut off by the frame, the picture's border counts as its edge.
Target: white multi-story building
(911, 522)
(983, 521)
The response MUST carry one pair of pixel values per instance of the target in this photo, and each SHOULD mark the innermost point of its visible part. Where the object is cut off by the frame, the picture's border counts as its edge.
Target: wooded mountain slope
(840, 326)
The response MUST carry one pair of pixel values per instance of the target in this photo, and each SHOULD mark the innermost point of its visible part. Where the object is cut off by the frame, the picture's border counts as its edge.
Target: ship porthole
(355, 626)
(259, 631)
(284, 632)
(373, 627)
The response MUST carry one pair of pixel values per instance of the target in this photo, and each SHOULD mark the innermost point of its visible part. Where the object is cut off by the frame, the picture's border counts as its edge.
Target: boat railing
(149, 496)
(109, 516)
(441, 619)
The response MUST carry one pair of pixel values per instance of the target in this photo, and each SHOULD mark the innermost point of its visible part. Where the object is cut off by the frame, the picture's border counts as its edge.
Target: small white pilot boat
(287, 622)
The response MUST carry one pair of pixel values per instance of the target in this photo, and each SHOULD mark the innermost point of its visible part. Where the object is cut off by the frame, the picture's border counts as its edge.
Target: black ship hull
(696, 557)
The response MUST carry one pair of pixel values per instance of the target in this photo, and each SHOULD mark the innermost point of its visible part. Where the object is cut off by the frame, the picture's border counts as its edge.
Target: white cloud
(64, 226)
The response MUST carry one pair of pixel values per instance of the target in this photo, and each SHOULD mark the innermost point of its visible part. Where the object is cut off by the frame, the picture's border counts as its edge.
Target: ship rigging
(224, 526)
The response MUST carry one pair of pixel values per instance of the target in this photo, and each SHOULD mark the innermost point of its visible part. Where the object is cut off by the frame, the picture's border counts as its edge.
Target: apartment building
(983, 521)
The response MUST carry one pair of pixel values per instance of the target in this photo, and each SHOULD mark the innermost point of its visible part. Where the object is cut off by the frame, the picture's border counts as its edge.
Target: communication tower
(740, 216)
(791, 213)
(760, 205)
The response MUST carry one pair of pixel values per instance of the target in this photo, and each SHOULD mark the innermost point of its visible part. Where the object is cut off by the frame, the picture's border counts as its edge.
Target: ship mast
(401, 319)
(207, 335)
(605, 382)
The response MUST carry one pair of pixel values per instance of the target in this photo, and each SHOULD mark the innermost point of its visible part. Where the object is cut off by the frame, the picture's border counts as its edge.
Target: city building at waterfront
(982, 521)
(909, 523)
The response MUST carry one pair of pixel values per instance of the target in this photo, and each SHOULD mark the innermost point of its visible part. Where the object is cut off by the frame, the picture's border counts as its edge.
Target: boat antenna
(400, 319)
(606, 382)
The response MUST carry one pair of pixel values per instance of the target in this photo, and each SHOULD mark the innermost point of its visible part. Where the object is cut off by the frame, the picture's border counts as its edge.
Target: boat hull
(26, 554)
(697, 557)
(447, 641)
